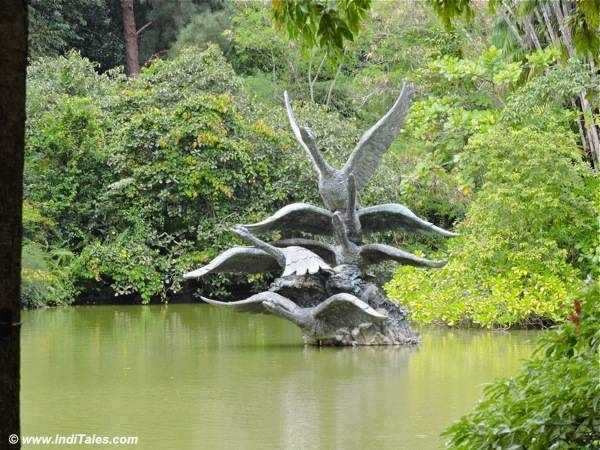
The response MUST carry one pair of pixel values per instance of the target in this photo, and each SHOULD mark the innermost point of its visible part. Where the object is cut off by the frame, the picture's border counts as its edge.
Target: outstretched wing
(346, 309)
(377, 253)
(250, 305)
(325, 251)
(296, 217)
(306, 141)
(237, 260)
(254, 304)
(300, 261)
(376, 140)
(392, 215)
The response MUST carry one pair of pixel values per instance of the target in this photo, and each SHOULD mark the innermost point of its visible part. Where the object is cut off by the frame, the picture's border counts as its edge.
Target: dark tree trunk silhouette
(131, 38)
(13, 61)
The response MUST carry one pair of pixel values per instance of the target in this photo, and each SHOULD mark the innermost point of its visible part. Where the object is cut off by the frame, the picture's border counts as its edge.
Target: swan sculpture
(327, 292)
(302, 217)
(365, 158)
(337, 311)
(336, 185)
(347, 252)
(295, 260)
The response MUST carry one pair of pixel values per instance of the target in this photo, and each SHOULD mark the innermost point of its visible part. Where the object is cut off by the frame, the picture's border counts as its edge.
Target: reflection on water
(191, 376)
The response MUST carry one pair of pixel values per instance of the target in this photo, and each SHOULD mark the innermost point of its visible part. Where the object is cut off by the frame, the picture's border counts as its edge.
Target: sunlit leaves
(514, 261)
(489, 66)
(541, 59)
(450, 9)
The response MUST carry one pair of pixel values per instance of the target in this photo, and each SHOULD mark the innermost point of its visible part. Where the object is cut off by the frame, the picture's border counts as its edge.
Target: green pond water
(196, 377)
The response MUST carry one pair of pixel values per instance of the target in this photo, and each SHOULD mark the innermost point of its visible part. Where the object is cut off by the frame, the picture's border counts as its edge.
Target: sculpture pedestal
(310, 290)
(366, 334)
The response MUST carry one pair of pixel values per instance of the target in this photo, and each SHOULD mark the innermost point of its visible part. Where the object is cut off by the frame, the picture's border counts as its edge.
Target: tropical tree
(572, 27)
(320, 23)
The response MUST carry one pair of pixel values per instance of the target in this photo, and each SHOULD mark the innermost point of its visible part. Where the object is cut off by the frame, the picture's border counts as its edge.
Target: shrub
(518, 258)
(553, 402)
(125, 262)
(44, 280)
(167, 81)
(50, 80)
(66, 169)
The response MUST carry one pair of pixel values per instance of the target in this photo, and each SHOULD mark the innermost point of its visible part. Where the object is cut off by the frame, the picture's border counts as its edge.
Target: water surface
(196, 377)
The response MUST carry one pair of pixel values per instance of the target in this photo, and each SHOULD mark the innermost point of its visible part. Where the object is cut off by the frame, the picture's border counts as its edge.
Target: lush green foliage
(131, 182)
(321, 23)
(553, 402)
(529, 231)
(188, 156)
(517, 260)
(45, 279)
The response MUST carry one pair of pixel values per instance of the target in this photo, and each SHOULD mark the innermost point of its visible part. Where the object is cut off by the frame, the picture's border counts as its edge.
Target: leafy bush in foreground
(554, 401)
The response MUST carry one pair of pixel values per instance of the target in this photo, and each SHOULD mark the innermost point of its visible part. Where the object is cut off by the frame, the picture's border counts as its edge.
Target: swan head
(289, 310)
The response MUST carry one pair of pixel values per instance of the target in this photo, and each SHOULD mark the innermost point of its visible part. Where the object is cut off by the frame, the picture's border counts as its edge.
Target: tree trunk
(507, 17)
(591, 131)
(131, 38)
(13, 61)
(531, 32)
(547, 18)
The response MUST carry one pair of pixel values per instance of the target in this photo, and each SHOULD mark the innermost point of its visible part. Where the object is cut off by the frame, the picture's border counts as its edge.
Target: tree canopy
(321, 23)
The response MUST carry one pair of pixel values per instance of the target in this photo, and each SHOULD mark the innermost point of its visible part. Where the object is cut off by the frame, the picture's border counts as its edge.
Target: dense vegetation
(530, 229)
(553, 400)
(131, 181)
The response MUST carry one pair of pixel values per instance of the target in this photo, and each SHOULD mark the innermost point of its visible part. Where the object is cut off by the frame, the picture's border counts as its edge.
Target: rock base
(310, 290)
(366, 334)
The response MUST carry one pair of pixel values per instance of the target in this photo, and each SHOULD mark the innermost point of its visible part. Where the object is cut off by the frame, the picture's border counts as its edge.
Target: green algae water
(196, 377)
